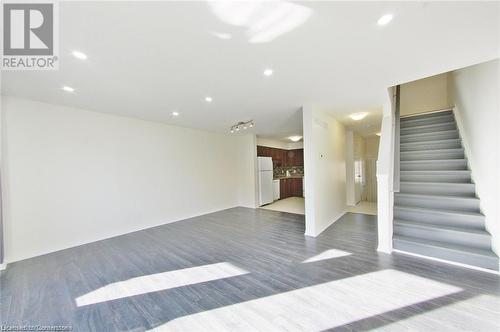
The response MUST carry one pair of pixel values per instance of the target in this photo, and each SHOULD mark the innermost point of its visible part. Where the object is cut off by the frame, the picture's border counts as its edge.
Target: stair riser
(479, 241)
(449, 225)
(434, 166)
(428, 115)
(447, 254)
(429, 137)
(439, 145)
(431, 129)
(432, 155)
(436, 218)
(433, 203)
(449, 178)
(446, 189)
(411, 122)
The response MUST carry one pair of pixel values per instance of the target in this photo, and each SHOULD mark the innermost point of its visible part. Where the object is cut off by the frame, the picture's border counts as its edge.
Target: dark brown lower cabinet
(291, 187)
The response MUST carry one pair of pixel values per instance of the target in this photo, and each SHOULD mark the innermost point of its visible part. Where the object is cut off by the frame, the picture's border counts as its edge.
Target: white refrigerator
(265, 180)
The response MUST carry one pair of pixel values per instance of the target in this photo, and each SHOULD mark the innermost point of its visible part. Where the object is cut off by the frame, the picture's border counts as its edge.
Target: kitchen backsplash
(294, 170)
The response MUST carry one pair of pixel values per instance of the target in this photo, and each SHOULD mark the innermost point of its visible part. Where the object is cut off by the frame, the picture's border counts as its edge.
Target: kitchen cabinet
(283, 189)
(278, 155)
(296, 187)
(295, 157)
(290, 187)
(281, 157)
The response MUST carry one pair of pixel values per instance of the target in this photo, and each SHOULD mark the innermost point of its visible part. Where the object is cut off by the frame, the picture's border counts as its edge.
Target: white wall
(474, 91)
(371, 147)
(371, 155)
(73, 176)
(247, 171)
(425, 95)
(325, 169)
(350, 190)
(279, 144)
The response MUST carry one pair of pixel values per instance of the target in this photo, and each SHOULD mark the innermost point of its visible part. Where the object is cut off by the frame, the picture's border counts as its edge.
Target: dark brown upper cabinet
(282, 157)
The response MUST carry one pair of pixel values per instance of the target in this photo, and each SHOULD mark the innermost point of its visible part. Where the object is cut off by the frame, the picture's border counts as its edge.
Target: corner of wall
(324, 151)
(309, 153)
(247, 172)
(318, 231)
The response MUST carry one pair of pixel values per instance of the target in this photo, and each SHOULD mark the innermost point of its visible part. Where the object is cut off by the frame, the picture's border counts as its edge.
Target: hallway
(364, 207)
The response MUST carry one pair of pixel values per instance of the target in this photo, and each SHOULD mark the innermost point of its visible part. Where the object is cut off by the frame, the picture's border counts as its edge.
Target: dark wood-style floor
(245, 269)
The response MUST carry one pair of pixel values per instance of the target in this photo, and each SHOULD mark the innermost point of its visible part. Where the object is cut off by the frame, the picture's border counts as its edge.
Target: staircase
(436, 212)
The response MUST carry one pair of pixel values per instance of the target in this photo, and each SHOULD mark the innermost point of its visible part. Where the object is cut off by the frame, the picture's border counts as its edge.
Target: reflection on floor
(364, 207)
(247, 269)
(290, 205)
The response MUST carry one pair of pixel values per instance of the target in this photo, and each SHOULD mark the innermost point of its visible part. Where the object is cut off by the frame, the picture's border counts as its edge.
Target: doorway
(363, 174)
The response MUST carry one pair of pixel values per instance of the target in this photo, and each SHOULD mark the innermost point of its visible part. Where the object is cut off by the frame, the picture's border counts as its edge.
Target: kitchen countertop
(295, 176)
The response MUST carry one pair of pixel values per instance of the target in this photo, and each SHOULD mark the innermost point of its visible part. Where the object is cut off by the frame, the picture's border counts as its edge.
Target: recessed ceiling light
(208, 99)
(358, 116)
(378, 134)
(79, 55)
(175, 113)
(385, 19)
(268, 72)
(295, 138)
(68, 89)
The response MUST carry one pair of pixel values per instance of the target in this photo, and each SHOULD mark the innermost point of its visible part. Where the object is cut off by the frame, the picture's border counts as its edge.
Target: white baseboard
(3, 266)
(472, 267)
(385, 249)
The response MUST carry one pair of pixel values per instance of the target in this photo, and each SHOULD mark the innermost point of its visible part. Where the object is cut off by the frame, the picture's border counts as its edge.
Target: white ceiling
(147, 59)
(366, 127)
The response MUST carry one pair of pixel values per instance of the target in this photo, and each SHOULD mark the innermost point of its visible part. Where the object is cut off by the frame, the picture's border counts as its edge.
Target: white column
(385, 177)
(309, 169)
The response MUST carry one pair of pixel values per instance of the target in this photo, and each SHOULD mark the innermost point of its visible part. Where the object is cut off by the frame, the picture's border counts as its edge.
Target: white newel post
(385, 177)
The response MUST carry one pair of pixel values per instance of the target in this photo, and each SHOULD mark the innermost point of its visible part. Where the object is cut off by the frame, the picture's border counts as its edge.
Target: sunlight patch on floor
(160, 281)
(327, 254)
(319, 307)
